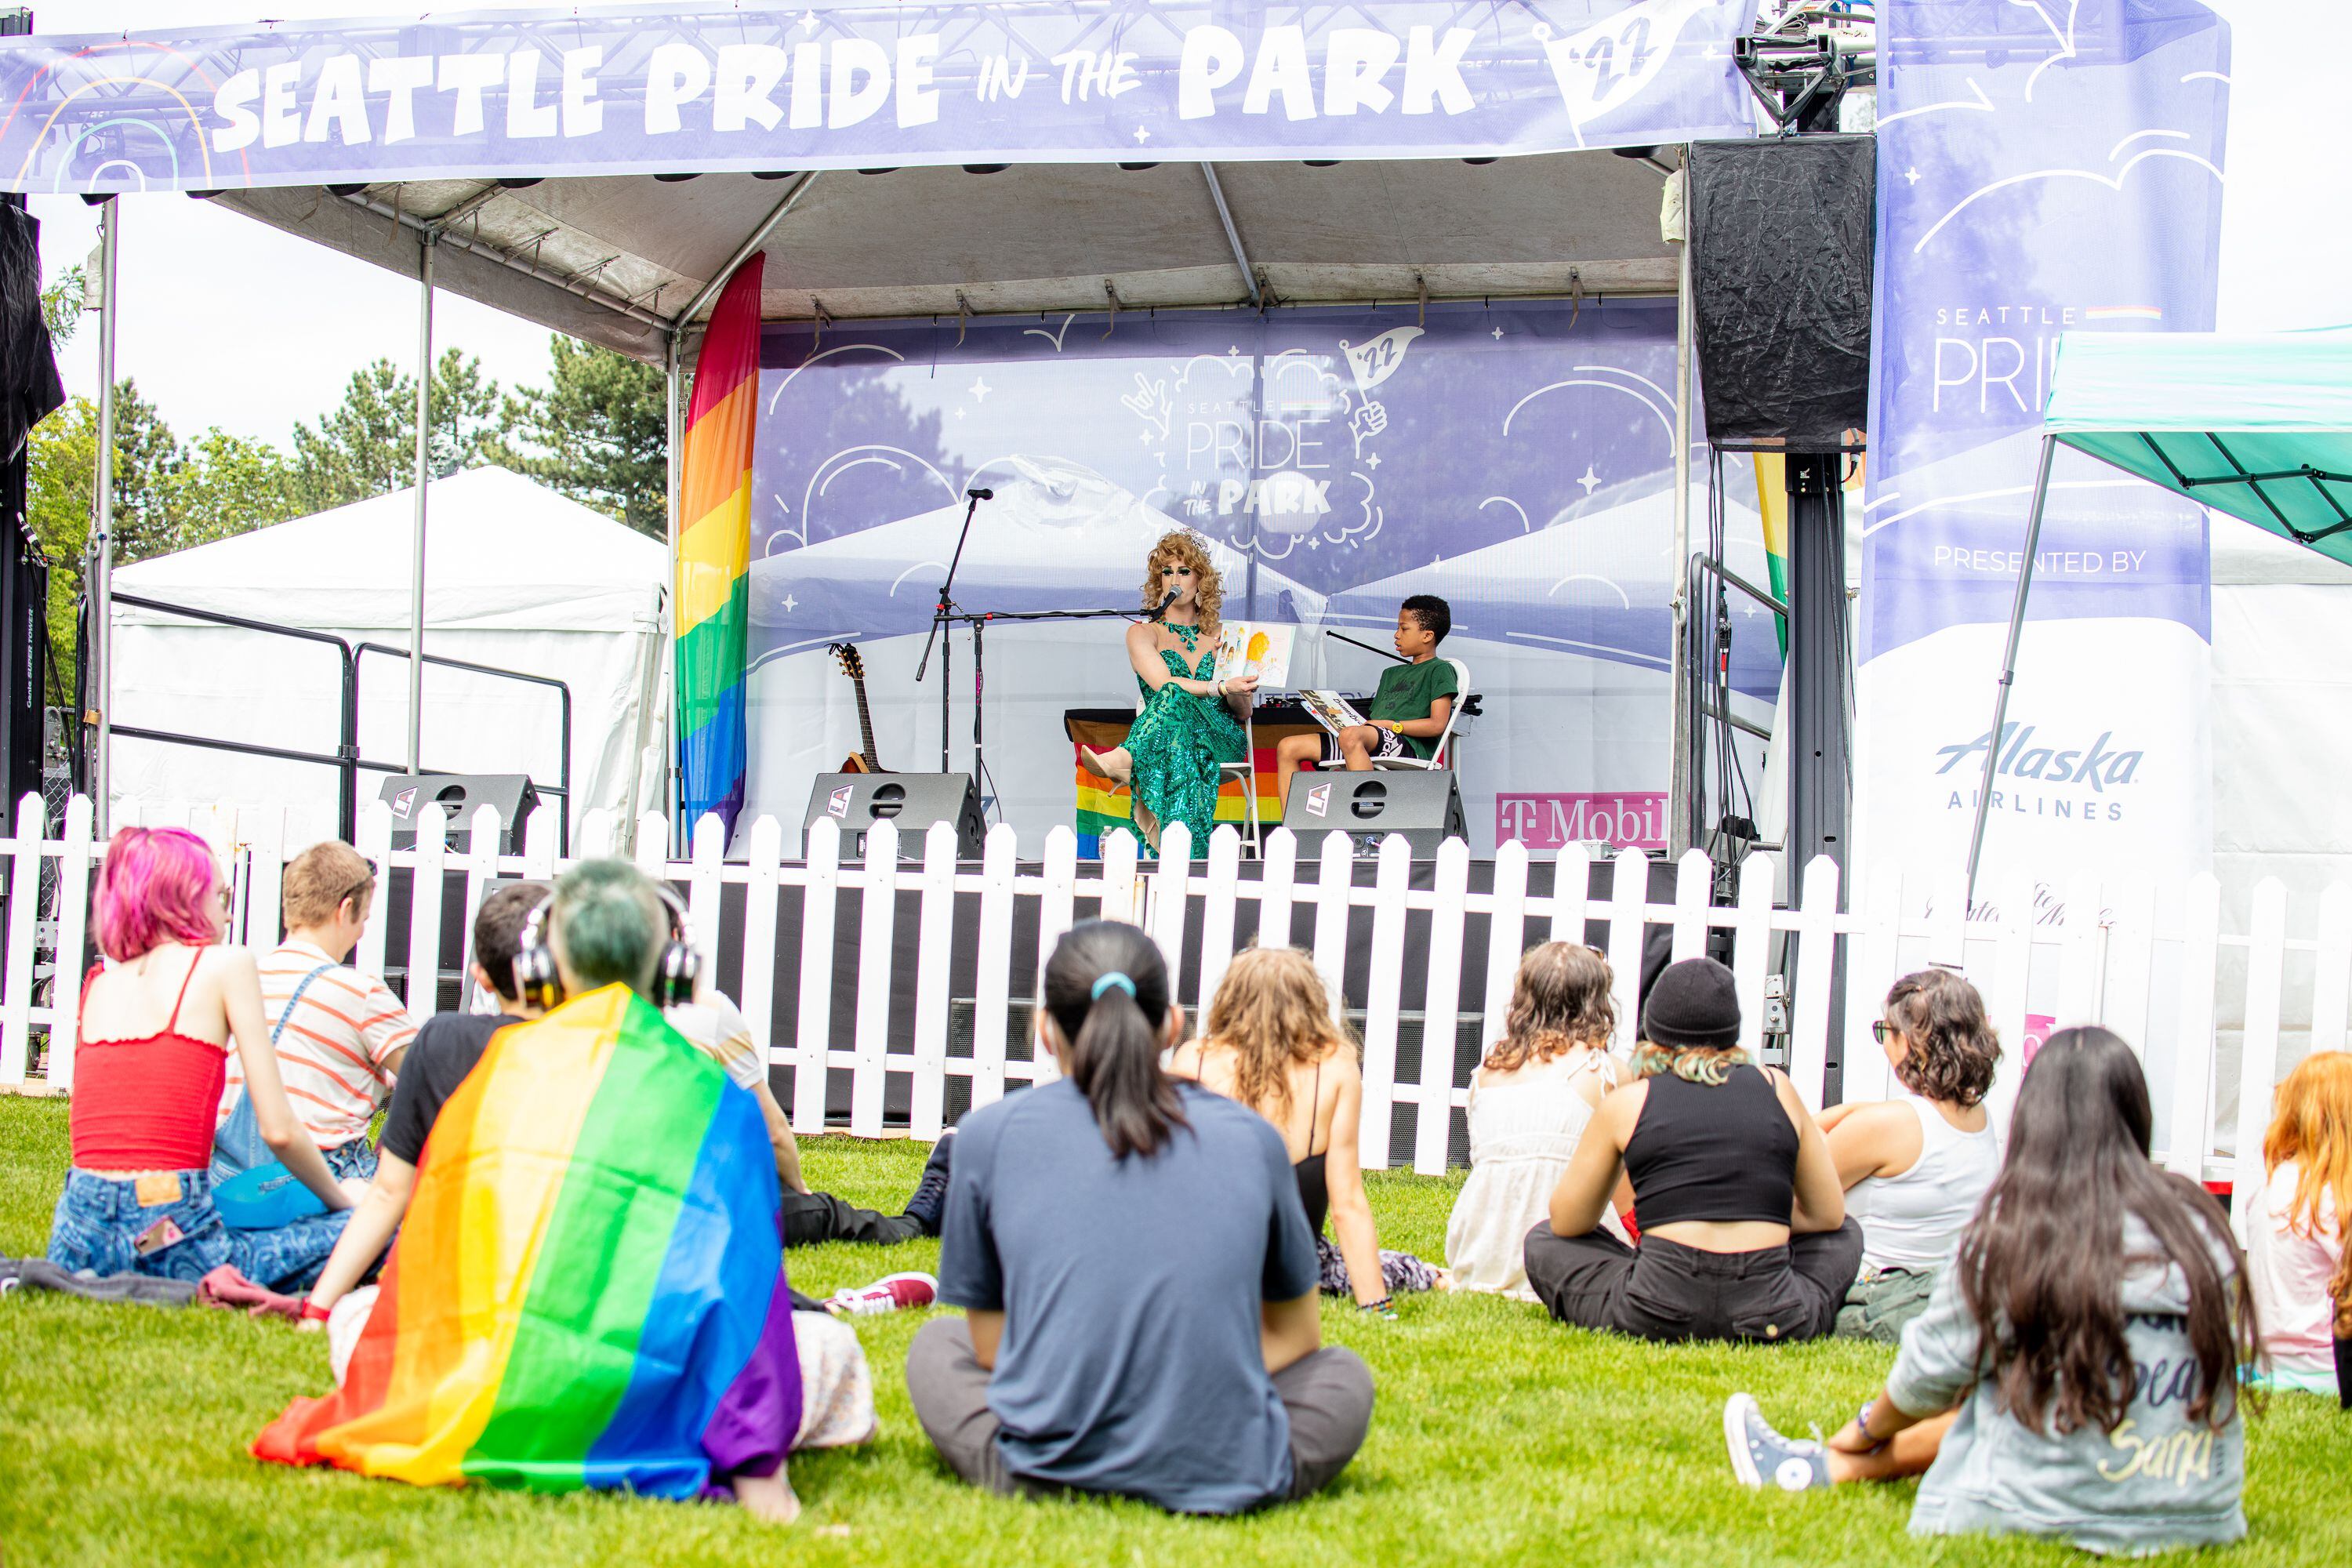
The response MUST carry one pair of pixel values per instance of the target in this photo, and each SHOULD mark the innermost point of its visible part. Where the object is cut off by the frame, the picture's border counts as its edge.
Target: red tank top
(147, 1104)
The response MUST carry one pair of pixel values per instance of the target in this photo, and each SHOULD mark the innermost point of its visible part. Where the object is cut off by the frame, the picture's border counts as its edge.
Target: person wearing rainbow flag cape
(589, 1290)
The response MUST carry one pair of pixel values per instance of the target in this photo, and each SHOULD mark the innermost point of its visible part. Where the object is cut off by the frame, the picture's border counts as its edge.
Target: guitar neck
(864, 724)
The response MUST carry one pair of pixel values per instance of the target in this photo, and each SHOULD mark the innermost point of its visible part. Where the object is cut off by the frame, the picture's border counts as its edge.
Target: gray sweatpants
(1327, 1392)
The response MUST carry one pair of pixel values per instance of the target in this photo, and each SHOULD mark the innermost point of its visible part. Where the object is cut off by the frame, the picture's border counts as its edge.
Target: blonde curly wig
(1182, 544)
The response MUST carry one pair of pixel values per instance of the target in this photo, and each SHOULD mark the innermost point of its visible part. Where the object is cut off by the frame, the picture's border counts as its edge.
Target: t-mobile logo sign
(1634, 818)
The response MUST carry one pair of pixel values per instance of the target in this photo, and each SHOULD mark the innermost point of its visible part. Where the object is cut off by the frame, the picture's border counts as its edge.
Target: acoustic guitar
(861, 760)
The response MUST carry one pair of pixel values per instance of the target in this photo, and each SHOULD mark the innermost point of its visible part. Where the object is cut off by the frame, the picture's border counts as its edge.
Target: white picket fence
(2101, 955)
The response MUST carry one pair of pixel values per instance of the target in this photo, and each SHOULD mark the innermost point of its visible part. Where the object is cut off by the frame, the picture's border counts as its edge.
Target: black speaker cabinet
(1426, 807)
(855, 802)
(461, 794)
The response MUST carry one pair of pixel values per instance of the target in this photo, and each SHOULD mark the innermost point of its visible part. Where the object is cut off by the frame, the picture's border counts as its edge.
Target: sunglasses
(1880, 1029)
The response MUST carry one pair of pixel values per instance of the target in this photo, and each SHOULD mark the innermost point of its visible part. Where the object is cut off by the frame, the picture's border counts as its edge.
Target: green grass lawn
(1498, 1438)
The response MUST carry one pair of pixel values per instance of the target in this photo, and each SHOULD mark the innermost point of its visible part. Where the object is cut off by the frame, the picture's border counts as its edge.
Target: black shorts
(1390, 744)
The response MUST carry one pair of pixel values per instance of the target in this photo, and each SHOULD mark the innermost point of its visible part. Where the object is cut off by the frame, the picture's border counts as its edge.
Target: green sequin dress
(1177, 742)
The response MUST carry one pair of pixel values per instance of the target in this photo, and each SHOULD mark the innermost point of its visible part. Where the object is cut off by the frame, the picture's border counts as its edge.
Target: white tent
(517, 577)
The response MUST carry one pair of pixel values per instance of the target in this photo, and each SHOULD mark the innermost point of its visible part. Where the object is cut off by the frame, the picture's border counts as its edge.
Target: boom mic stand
(944, 612)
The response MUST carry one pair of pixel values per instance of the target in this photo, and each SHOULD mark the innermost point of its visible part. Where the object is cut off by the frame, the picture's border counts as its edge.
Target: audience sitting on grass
(1271, 1042)
(2076, 1371)
(1743, 1225)
(1136, 1272)
(1530, 1100)
(1914, 1167)
(446, 1049)
(339, 1034)
(150, 1053)
(589, 1288)
(2295, 1254)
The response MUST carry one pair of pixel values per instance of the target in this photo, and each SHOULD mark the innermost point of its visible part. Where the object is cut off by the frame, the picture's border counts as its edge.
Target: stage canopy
(2258, 426)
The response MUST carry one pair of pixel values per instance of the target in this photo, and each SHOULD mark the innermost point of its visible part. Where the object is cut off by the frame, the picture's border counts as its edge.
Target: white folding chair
(1442, 754)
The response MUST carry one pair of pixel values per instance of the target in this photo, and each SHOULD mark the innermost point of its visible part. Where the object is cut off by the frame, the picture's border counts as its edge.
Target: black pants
(1664, 1290)
(811, 1218)
(1327, 1394)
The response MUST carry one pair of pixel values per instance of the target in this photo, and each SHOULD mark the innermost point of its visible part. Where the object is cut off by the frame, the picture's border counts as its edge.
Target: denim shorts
(99, 1220)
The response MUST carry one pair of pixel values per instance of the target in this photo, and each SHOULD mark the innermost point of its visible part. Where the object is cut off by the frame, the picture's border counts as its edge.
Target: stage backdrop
(1517, 459)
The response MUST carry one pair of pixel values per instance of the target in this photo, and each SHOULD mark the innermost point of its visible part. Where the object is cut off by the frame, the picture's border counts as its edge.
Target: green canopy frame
(2257, 427)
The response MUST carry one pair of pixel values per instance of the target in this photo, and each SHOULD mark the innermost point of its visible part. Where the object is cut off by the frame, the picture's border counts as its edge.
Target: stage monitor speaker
(912, 801)
(1781, 238)
(1425, 808)
(461, 794)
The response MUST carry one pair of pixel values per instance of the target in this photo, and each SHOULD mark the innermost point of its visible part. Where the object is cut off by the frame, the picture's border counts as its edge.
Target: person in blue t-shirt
(1136, 1274)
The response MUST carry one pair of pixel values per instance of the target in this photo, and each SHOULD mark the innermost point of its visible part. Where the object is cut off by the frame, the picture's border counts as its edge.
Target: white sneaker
(1759, 1454)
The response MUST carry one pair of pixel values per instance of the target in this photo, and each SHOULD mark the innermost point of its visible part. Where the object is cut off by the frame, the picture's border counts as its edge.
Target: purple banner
(663, 89)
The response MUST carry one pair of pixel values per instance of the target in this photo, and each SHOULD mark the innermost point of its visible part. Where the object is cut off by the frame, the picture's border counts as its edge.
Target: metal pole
(669, 695)
(101, 592)
(423, 475)
(1678, 772)
(2009, 662)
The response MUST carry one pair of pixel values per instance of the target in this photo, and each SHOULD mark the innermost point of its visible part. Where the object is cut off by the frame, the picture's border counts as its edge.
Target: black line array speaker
(912, 801)
(1425, 808)
(1781, 238)
(461, 794)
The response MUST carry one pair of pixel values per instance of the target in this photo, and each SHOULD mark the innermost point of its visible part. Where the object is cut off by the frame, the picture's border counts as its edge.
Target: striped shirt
(331, 1053)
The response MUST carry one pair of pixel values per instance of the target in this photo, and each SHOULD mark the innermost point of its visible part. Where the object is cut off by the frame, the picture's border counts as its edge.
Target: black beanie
(1693, 1004)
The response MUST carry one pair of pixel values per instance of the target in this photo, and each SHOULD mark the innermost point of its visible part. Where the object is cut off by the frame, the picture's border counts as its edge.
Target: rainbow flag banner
(1104, 808)
(713, 612)
(589, 1291)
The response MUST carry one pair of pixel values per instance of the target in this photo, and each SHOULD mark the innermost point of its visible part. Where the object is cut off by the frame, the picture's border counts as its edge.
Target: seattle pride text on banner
(654, 89)
(2033, 182)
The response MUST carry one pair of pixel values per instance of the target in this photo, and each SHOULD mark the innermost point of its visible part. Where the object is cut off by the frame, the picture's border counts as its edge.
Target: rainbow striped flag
(1772, 507)
(713, 613)
(589, 1290)
(1104, 808)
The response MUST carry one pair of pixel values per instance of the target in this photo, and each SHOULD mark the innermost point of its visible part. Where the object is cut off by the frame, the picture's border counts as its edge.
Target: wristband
(314, 1313)
(1861, 1424)
(1386, 1304)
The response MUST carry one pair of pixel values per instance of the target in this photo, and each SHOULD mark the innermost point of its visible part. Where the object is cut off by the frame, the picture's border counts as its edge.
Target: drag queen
(1189, 723)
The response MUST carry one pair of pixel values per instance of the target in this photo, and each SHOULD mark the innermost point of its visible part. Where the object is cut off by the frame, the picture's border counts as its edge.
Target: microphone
(1165, 602)
(977, 493)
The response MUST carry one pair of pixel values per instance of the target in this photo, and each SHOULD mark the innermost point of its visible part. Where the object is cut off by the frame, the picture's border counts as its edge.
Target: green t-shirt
(1408, 691)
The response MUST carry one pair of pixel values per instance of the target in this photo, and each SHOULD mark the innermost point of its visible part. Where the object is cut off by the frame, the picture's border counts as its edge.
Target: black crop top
(1722, 1152)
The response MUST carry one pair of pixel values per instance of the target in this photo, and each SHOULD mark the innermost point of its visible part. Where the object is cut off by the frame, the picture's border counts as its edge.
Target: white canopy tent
(520, 579)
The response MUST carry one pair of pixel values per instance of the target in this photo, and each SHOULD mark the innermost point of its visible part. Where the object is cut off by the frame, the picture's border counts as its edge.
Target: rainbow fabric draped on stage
(713, 613)
(589, 1290)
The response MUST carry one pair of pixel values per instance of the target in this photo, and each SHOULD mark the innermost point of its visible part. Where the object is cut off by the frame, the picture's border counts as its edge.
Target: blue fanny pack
(252, 1188)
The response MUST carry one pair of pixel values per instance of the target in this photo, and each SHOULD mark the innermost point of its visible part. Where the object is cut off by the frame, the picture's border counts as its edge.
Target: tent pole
(423, 474)
(101, 587)
(2008, 663)
(676, 454)
(1678, 679)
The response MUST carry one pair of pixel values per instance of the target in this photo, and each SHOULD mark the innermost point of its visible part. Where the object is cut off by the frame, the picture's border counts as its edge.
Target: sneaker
(928, 1206)
(891, 1293)
(1759, 1454)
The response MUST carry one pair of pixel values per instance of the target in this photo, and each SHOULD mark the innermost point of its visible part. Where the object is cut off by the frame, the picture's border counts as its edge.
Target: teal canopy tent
(2258, 426)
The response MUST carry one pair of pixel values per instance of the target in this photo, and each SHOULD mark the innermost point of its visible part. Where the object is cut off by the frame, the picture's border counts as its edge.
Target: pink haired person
(150, 1057)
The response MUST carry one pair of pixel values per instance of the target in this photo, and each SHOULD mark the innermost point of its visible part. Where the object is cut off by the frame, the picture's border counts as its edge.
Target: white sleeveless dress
(1523, 1129)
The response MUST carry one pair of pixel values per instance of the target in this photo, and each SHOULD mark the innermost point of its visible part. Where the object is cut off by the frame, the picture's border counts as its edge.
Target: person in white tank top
(1916, 1166)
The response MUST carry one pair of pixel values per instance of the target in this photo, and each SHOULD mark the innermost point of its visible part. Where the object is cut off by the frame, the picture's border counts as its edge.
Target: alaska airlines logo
(2097, 765)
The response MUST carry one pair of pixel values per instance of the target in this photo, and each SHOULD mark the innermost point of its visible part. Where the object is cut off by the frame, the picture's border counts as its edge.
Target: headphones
(675, 971)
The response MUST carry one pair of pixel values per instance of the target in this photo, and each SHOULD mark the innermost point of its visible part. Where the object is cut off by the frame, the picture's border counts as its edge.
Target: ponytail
(1106, 990)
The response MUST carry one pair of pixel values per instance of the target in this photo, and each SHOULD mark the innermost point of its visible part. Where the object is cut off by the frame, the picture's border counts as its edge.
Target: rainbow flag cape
(589, 1291)
(713, 613)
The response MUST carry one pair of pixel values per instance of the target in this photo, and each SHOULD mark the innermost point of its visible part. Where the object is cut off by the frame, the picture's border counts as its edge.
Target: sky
(227, 321)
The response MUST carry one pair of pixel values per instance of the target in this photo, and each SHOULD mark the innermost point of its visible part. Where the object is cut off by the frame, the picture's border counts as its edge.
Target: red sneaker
(891, 1293)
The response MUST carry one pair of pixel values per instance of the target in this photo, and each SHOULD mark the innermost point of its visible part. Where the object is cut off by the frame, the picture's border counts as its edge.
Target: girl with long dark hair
(1136, 1270)
(2075, 1374)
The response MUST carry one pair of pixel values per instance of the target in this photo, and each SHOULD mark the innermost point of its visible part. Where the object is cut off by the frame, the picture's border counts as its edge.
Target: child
(155, 1023)
(2075, 1374)
(1270, 1041)
(2295, 1231)
(1530, 1102)
(1409, 709)
(338, 1033)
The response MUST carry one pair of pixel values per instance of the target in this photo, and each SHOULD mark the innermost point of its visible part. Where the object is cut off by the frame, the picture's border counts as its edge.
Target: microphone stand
(940, 615)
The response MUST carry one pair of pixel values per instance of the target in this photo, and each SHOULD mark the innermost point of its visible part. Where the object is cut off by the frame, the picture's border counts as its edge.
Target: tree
(367, 446)
(226, 485)
(61, 306)
(598, 432)
(147, 461)
(60, 460)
